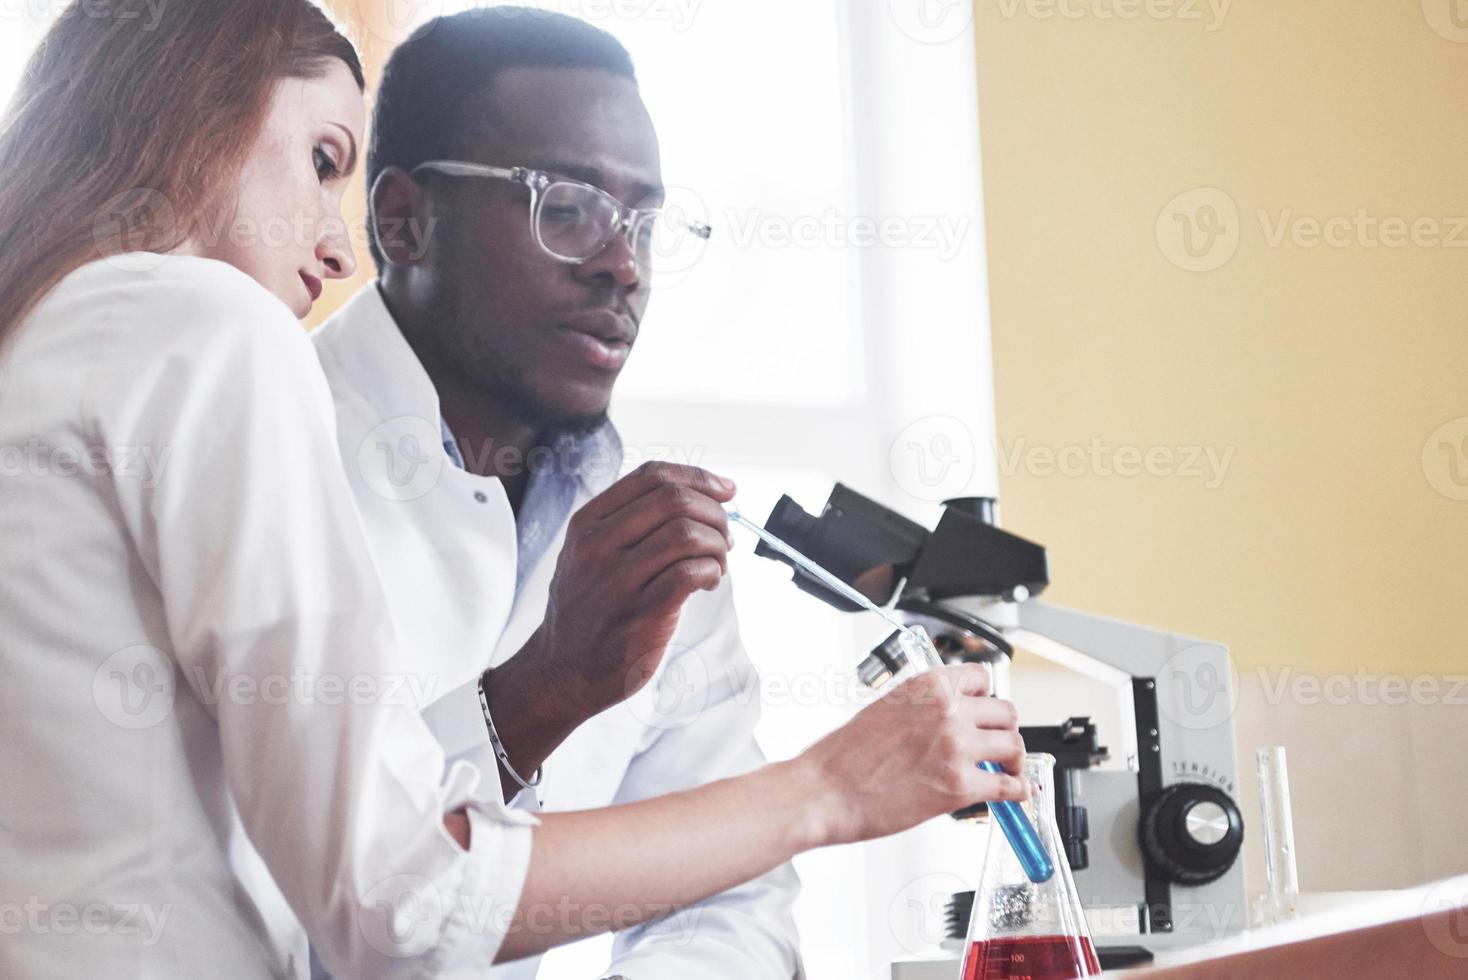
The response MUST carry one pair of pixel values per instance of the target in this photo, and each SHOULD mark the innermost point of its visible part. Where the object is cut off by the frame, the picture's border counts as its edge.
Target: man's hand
(632, 557)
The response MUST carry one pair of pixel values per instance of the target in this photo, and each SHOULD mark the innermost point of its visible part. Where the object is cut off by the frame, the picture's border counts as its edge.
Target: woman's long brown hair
(128, 127)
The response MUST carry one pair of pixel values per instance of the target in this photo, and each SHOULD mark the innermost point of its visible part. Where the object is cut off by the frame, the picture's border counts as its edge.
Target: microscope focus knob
(1192, 833)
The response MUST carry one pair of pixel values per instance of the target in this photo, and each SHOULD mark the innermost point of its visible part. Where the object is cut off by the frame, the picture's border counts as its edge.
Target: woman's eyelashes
(326, 165)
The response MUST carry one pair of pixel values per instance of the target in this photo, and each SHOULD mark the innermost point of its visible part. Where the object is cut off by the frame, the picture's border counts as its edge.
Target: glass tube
(1280, 902)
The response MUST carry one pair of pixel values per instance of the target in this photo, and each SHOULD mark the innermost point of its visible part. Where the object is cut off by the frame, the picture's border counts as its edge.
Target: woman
(184, 572)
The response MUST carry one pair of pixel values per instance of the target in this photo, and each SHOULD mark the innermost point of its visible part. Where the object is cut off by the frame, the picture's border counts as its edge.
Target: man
(513, 172)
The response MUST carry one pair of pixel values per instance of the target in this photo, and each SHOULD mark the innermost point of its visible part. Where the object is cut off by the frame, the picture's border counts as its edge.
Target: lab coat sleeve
(279, 624)
(701, 728)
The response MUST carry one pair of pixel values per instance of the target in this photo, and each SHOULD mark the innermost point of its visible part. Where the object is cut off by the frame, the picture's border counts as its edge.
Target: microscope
(1150, 825)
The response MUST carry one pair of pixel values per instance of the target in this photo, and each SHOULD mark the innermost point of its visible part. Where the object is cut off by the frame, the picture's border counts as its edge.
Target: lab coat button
(480, 496)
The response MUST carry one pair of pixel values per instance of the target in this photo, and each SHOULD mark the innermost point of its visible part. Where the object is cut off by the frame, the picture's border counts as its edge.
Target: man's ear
(402, 217)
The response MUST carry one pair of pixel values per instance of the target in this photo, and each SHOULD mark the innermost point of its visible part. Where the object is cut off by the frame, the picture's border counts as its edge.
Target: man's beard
(508, 387)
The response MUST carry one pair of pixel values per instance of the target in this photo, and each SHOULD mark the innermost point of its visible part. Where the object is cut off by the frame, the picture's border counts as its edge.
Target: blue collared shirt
(557, 473)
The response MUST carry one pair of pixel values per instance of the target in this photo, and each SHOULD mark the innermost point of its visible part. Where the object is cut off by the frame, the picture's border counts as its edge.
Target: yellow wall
(1325, 369)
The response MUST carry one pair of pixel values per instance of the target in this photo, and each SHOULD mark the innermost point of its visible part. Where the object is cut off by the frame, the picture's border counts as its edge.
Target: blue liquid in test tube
(1010, 816)
(1021, 835)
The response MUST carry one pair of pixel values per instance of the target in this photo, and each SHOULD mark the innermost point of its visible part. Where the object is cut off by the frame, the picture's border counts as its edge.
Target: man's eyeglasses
(573, 221)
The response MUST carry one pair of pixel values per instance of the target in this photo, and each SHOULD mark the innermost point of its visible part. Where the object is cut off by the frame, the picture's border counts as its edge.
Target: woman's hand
(913, 755)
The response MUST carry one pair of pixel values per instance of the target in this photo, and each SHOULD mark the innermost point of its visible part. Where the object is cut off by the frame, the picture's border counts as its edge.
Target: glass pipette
(1011, 818)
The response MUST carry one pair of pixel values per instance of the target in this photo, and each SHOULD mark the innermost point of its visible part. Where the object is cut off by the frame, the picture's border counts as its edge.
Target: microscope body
(1150, 825)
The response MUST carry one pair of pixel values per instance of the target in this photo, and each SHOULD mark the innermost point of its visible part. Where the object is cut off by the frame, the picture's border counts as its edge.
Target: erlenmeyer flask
(1019, 928)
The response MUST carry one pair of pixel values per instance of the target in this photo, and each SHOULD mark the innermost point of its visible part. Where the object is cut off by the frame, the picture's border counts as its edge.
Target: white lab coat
(207, 737)
(444, 536)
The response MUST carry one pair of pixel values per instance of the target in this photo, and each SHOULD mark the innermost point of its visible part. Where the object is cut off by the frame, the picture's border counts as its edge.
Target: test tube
(917, 647)
(1021, 834)
(1281, 875)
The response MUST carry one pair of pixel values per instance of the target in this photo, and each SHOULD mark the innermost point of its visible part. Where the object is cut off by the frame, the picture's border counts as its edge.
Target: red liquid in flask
(1032, 958)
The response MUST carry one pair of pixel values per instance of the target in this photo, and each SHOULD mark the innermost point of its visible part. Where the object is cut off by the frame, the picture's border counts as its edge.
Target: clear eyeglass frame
(613, 218)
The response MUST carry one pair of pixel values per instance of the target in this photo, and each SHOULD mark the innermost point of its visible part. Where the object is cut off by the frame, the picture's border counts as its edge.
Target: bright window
(797, 352)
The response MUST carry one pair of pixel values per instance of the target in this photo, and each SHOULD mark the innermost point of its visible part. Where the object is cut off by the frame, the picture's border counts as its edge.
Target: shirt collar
(395, 381)
(364, 342)
(594, 458)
